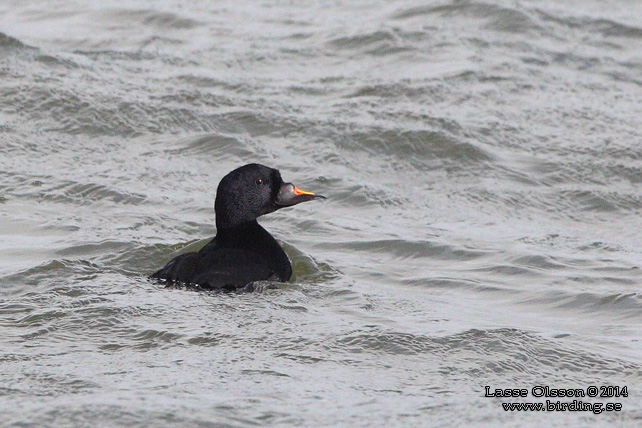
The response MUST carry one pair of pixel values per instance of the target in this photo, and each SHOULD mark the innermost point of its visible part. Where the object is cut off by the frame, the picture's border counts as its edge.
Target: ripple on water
(148, 17)
(51, 275)
(377, 43)
(85, 193)
(606, 27)
(499, 18)
(613, 306)
(427, 148)
(8, 43)
(406, 249)
(510, 354)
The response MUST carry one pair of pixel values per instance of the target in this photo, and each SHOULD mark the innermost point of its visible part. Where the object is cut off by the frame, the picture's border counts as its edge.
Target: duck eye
(258, 181)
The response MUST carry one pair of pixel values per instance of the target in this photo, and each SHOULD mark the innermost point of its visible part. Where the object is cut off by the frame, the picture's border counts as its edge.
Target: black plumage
(242, 251)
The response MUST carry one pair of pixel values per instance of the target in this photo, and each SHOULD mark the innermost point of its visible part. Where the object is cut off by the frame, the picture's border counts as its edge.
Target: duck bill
(290, 195)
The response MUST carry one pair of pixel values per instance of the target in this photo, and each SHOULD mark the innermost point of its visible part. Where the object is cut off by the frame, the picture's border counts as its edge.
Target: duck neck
(241, 234)
(251, 236)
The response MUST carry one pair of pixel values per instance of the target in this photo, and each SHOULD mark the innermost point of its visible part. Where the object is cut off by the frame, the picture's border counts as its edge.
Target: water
(483, 168)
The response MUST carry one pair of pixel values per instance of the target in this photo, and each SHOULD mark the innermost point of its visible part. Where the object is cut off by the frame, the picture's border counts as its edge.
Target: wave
(508, 354)
(11, 43)
(498, 18)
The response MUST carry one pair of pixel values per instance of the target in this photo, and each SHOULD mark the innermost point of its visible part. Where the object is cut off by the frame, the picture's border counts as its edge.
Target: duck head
(253, 190)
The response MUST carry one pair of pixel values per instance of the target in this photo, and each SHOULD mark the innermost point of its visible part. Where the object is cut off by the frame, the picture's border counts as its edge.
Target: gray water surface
(483, 167)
